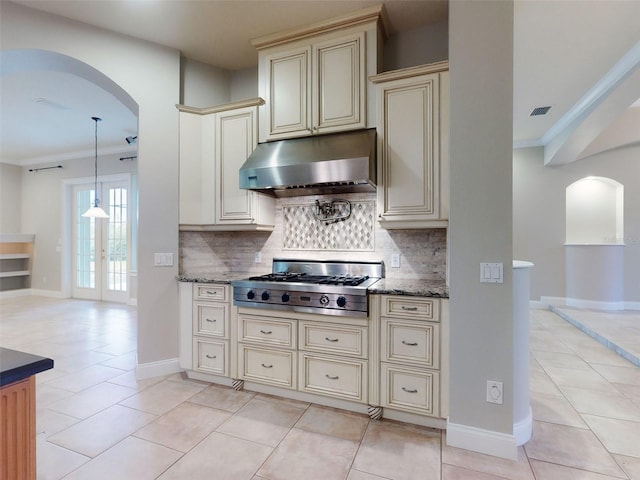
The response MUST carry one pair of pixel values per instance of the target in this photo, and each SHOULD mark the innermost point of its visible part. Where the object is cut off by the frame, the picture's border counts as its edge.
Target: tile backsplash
(299, 234)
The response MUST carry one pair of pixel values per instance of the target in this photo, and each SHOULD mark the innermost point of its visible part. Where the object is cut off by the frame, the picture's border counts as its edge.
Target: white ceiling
(562, 50)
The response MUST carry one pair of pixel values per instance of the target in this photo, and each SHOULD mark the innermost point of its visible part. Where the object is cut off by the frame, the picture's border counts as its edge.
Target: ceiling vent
(539, 111)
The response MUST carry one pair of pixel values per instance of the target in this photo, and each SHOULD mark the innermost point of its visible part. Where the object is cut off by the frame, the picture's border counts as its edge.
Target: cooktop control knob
(341, 301)
(285, 297)
(251, 294)
(265, 295)
(324, 300)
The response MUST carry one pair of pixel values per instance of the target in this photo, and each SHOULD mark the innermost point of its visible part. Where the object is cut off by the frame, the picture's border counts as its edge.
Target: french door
(100, 245)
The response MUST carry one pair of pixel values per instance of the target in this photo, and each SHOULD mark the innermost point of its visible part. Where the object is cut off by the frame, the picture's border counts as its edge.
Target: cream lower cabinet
(205, 333)
(413, 147)
(410, 355)
(211, 328)
(333, 360)
(267, 350)
(313, 357)
(214, 143)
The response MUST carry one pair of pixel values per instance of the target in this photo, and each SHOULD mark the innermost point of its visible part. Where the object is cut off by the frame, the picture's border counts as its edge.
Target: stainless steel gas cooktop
(313, 286)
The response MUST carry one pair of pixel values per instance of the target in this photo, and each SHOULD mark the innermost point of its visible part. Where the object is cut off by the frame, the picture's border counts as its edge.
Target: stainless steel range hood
(320, 164)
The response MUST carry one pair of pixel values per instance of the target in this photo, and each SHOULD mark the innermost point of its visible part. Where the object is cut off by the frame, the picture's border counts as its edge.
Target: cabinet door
(236, 137)
(287, 89)
(197, 171)
(339, 88)
(408, 168)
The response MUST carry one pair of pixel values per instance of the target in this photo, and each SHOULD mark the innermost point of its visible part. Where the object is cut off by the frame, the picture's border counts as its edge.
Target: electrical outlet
(395, 260)
(258, 257)
(494, 392)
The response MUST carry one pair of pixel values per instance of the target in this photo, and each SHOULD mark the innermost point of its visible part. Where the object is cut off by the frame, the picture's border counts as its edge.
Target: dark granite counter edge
(16, 366)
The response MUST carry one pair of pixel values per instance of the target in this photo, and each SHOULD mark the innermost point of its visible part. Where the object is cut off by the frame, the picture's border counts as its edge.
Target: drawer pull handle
(266, 366)
(331, 339)
(332, 377)
(410, 309)
(211, 356)
(266, 332)
(409, 390)
(212, 320)
(409, 344)
(210, 292)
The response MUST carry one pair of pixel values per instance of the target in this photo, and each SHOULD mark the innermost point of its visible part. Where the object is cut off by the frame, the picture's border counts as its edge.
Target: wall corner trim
(482, 441)
(156, 369)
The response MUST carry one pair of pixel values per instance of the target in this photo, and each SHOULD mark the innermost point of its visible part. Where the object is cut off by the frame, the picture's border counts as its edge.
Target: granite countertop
(213, 277)
(386, 286)
(418, 288)
(16, 366)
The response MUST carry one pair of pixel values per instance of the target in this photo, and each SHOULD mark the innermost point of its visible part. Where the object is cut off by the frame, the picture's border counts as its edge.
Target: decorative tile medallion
(303, 230)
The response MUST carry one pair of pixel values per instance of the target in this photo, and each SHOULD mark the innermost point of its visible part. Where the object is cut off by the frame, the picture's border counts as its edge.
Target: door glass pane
(117, 240)
(85, 241)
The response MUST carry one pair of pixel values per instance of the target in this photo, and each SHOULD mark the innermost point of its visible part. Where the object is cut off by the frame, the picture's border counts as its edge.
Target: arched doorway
(71, 250)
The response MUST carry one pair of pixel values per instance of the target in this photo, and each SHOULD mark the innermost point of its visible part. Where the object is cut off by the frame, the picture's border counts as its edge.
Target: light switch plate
(491, 273)
(395, 260)
(163, 259)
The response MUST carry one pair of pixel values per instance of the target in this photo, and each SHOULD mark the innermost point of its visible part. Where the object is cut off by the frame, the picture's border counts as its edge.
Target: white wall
(244, 84)
(42, 212)
(203, 85)
(481, 339)
(150, 74)
(539, 214)
(419, 46)
(10, 205)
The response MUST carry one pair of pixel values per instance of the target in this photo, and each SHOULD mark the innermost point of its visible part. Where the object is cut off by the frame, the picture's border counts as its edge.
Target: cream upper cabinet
(214, 143)
(315, 80)
(413, 147)
(316, 88)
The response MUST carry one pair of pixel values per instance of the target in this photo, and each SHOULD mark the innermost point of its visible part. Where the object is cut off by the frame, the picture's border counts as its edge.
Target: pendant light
(95, 211)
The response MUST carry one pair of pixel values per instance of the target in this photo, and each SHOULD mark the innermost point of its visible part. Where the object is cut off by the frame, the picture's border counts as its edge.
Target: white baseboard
(482, 441)
(586, 304)
(632, 305)
(594, 304)
(32, 292)
(157, 369)
(522, 430)
(19, 292)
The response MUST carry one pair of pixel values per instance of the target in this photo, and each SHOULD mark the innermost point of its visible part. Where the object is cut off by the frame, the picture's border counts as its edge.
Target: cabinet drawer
(411, 342)
(211, 319)
(275, 367)
(334, 377)
(211, 356)
(212, 292)
(337, 339)
(410, 390)
(267, 331)
(411, 307)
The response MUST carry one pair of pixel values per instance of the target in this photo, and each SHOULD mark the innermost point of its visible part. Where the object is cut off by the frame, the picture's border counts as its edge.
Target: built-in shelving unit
(16, 250)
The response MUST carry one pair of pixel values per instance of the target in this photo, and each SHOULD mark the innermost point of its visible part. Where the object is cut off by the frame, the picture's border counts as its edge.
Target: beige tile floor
(96, 421)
